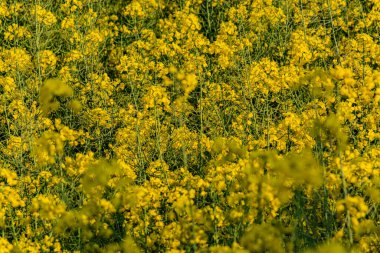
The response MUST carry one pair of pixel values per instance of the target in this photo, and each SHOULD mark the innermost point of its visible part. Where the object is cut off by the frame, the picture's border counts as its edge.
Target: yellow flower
(43, 16)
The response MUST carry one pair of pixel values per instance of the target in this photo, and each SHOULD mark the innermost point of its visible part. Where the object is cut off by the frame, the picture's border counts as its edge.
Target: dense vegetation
(189, 126)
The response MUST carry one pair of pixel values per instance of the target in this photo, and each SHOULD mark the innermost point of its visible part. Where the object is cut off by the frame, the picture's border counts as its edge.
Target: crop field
(231, 126)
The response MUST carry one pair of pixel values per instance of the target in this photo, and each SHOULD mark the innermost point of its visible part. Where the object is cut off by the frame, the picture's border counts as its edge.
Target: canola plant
(189, 126)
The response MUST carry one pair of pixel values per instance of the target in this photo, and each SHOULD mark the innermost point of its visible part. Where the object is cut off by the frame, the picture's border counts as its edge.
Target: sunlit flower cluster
(189, 126)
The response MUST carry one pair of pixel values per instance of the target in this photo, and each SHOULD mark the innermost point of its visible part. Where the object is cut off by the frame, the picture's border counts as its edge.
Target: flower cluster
(189, 126)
